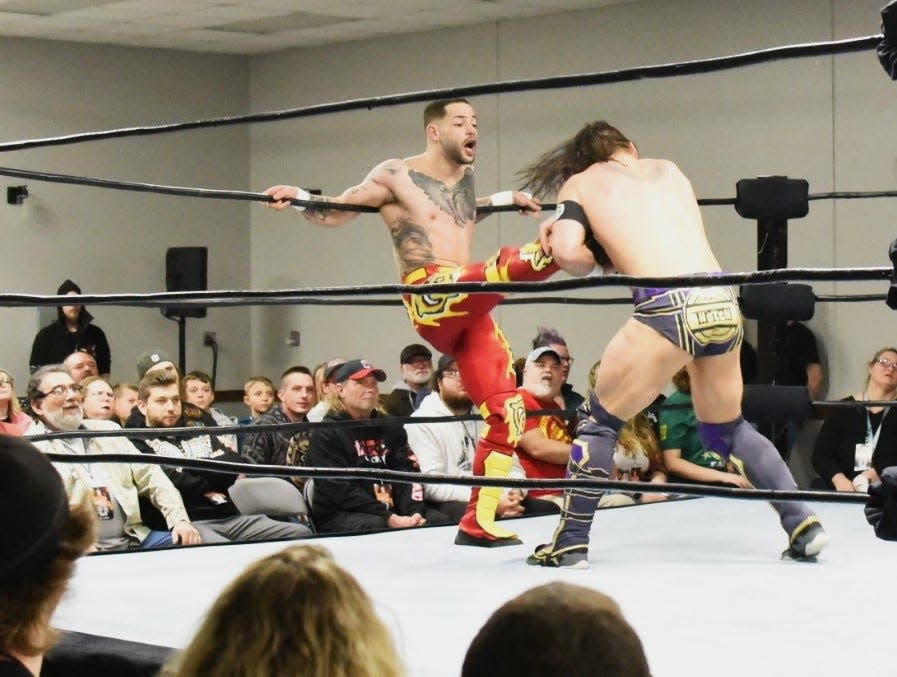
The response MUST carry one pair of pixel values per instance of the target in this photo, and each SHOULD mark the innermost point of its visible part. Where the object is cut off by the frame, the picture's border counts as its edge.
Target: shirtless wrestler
(640, 217)
(429, 205)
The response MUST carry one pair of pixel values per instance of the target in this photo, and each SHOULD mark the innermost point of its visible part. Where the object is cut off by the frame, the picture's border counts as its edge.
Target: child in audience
(196, 388)
(258, 395)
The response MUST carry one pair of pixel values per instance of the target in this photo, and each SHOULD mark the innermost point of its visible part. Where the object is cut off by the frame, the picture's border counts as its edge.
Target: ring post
(771, 200)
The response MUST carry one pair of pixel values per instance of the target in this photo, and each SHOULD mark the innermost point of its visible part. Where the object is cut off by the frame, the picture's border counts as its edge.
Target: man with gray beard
(416, 362)
(113, 487)
(545, 446)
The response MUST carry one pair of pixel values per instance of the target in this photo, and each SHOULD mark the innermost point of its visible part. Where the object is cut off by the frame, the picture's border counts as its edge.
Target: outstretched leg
(460, 325)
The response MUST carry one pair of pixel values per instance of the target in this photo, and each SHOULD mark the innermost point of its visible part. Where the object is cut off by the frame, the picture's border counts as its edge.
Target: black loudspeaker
(186, 269)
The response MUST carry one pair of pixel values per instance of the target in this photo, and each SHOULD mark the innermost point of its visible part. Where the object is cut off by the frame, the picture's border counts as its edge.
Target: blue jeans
(156, 539)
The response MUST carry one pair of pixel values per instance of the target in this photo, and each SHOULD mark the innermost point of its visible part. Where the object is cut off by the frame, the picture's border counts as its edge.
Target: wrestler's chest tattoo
(459, 202)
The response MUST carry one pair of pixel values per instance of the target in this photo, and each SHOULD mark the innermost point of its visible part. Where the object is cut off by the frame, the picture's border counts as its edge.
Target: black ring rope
(468, 481)
(249, 196)
(825, 48)
(291, 296)
(378, 422)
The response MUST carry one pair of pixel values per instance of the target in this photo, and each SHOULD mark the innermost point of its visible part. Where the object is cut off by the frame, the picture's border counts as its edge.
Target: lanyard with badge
(94, 477)
(863, 452)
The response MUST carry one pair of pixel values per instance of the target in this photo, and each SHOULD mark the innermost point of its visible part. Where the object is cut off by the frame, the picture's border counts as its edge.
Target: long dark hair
(595, 142)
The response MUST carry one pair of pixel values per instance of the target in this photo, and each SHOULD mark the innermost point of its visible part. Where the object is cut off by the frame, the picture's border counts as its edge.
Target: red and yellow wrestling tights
(460, 325)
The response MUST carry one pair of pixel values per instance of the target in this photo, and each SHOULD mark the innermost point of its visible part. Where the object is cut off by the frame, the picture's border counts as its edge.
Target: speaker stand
(182, 340)
(182, 344)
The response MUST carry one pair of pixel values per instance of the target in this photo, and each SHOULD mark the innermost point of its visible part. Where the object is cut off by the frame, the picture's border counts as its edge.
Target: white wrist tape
(506, 197)
(301, 194)
(502, 198)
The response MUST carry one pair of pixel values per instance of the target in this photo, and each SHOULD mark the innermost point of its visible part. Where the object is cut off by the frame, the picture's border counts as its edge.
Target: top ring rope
(247, 196)
(292, 296)
(561, 81)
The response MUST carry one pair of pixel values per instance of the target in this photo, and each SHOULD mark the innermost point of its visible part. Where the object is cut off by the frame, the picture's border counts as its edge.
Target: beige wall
(110, 241)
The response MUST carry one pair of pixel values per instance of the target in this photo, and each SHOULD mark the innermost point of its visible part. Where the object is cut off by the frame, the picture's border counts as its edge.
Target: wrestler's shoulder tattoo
(459, 202)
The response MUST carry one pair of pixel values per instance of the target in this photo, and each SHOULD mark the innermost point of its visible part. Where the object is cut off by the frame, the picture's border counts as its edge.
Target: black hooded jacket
(55, 342)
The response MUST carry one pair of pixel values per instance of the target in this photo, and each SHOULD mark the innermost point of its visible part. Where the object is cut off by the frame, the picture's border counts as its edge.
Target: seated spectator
(73, 330)
(448, 448)
(416, 362)
(638, 457)
(800, 364)
(113, 488)
(545, 446)
(296, 396)
(37, 553)
(548, 336)
(98, 399)
(325, 389)
(152, 360)
(362, 505)
(258, 395)
(157, 360)
(557, 629)
(205, 493)
(125, 395)
(13, 421)
(308, 615)
(683, 450)
(80, 365)
(855, 444)
(198, 391)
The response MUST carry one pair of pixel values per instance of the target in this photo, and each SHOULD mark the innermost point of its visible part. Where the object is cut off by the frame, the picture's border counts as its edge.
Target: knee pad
(603, 419)
(505, 416)
(596, 439)
(717, 437)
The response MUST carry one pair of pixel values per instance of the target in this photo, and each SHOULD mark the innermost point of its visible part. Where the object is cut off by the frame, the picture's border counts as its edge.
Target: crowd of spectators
(660, 444)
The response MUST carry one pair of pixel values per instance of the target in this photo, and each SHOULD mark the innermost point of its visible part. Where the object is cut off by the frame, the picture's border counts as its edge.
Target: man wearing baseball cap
(346, 505)
(416, 363)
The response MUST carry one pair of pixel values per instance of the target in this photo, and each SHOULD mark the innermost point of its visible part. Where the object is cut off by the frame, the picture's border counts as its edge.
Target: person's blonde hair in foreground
(294, 613)
(557, 629)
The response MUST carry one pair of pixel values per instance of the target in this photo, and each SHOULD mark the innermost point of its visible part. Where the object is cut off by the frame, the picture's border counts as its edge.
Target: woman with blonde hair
(13, 421)
(638, 458)
(294, 613)
(856, 444)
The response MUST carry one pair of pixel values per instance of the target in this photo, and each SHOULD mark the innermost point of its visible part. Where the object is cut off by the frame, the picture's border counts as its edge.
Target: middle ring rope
(291, 296)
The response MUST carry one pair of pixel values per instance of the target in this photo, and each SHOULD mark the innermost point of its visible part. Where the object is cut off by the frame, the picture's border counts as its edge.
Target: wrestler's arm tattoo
(412, 244)
(458, 202)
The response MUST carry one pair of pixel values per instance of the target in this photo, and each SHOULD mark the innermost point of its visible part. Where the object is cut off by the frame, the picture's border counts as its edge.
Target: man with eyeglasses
(114, 488)
(447, 448)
